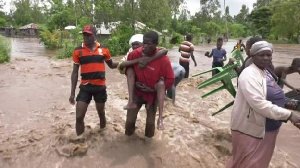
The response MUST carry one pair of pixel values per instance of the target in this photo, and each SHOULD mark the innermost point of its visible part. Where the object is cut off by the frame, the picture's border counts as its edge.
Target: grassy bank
(5, 49)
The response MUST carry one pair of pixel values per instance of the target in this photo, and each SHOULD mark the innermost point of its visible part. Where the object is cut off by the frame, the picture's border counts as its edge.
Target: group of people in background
(258, 110)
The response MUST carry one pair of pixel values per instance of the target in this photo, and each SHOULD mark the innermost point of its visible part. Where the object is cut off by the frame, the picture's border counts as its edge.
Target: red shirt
(150, 75)
(92, 63)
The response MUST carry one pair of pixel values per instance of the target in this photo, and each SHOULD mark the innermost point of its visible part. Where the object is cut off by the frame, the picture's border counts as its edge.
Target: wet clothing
(92, 63)
(251, 108)
(132, 116)
(150, 75)
(239, 46)
(253, 134)
(186, 67)
(88, 91)
(218, 55)
(186, 50)
(250, 152)
(276, 95)
(179, 73)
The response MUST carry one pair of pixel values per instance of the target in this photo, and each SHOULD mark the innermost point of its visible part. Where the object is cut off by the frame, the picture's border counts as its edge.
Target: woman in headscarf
(257, 112)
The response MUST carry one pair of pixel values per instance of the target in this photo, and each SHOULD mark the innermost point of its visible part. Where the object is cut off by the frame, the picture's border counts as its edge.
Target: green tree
(261, 3)
(261, 21)
(155, 14)
(174, 6)
(23, 13)
(61, 15)
(227, 16)
(209, 9)
(237, 30)
(4, 19)
(286, 19)
(241, 17)
(213, 29)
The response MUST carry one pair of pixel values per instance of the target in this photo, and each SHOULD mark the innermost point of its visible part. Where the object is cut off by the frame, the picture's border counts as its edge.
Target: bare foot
(160, 124)
(130, 105)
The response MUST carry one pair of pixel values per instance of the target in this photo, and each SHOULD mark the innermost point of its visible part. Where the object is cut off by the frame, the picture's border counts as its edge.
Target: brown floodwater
(37, 122)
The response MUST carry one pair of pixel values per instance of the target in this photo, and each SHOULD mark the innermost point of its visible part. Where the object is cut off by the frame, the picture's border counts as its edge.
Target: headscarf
(136, 37)
(261, 46)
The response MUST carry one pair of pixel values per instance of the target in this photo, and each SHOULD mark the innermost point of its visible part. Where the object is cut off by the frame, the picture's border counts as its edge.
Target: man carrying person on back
(148, 83)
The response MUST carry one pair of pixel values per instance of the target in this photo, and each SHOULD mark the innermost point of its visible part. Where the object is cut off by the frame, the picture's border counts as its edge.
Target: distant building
(30, 30)
(7, 31)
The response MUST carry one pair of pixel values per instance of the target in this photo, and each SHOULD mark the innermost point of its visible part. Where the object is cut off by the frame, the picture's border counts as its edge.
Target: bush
(51, 39)
(4, 50)
(67, 49)
(163, 42)
(118, 41)
(176, 38)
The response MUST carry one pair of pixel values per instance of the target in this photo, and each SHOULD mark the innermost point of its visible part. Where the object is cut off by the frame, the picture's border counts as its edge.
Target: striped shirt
(185, 50)
(92, 63)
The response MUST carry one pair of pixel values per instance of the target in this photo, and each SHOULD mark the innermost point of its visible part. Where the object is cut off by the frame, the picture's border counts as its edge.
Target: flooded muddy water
(37, 121)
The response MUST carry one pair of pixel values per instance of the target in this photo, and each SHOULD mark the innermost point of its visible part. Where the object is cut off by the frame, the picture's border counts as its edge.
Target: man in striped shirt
(186, 50)
(91, 57)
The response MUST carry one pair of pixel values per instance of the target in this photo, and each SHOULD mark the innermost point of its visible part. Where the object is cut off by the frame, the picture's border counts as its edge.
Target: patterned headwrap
(261, 46)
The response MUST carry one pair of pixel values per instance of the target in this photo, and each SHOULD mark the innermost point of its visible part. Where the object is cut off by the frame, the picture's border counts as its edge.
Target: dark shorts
(88, 91)
(216, 64)
(186, 66)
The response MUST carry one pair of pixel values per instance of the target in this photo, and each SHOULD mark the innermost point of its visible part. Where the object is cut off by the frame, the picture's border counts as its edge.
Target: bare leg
(81, 108)
(150, 121)
(101, 113)
(131, 84)
(131, 119)
(160, 90)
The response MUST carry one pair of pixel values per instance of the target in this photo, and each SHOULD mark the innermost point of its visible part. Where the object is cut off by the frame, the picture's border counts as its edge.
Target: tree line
(269, 18)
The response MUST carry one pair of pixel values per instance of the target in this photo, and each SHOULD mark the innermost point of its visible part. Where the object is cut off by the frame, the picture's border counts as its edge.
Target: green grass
(5, 49)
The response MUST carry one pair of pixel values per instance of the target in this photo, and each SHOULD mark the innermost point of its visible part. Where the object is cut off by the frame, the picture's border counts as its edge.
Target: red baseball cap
(90, 29)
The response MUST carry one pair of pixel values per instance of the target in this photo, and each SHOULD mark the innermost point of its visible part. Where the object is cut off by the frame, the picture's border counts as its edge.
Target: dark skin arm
(144, 61)
(144, 88)
(74, 79)
(112, 64)
(193, 58)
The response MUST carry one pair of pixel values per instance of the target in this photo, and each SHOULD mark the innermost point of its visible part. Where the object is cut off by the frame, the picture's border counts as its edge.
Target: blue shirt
(218, 55)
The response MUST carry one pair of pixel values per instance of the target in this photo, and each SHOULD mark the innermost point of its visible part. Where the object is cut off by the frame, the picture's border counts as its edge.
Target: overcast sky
(234, 5)
(194, 5)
